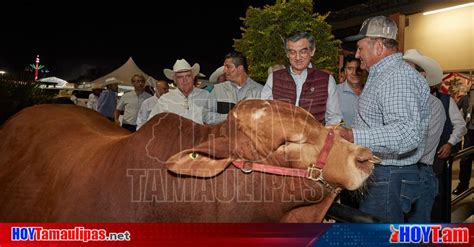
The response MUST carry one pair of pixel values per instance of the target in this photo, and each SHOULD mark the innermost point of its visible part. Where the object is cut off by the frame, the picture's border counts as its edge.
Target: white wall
(448, 37)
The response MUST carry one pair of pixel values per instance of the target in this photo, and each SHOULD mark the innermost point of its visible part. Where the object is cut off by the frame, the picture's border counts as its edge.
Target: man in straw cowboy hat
(216, 77)
(239, 86)
(187, 100)
(392, 120)
(108, 98)
(438, 127)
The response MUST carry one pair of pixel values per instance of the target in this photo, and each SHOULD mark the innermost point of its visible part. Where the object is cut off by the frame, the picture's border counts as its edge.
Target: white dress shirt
(190, 107)
(145, 110)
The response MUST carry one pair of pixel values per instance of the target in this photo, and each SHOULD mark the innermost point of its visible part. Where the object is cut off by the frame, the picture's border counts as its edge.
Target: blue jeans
(391, 192)
(421, 212)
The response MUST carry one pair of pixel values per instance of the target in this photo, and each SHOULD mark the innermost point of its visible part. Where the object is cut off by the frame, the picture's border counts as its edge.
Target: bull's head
(277, 134)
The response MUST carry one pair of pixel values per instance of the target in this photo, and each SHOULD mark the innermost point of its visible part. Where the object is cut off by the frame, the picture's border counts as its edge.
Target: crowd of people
(390, 102)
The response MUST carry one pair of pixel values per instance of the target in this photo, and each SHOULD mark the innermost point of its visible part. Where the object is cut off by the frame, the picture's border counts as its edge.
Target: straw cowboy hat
(64, 94)
(112, 80)
(434, 72)
(218, 72)
(97, 86)
(181, 65)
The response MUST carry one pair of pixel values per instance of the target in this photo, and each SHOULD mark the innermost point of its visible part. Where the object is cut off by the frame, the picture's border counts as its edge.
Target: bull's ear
(205, 160)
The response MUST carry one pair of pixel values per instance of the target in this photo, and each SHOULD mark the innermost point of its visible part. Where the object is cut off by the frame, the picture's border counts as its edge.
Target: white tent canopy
(124, 73)
(58, 81)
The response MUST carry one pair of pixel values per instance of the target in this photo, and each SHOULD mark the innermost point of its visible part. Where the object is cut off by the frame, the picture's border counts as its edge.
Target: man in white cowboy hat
(217, 76)
(129, 104)
(187, 100)
(108, 98)
(392, 120)
(94, 96)
(445, 131)
(161, 87)
(239, 86)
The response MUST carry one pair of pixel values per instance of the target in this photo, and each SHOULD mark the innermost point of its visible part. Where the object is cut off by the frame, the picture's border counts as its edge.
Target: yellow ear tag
(193, 155)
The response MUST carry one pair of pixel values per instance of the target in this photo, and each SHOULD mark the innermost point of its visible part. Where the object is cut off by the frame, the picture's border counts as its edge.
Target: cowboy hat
(64, 94)
(218, 72)
(181, 65)
(434, 72)
(96, 85)
(112, 80)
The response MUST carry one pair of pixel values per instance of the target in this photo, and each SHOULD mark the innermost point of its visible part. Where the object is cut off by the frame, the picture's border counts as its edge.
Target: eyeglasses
(304, 53)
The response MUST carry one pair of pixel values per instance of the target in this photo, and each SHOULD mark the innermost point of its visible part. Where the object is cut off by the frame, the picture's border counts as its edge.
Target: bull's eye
(193, 155)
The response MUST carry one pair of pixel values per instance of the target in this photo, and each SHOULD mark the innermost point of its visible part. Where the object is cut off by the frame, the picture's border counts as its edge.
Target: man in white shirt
(239, 86)
(130, 103)
(94, 97)
(303, 85)
(161, 87)
(187, 100)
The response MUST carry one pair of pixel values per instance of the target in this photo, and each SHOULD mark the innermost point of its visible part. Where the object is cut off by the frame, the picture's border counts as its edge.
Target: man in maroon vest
(302, 84)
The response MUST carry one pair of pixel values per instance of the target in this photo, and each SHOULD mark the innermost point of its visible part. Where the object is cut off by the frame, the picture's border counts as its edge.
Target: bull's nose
(364, 160)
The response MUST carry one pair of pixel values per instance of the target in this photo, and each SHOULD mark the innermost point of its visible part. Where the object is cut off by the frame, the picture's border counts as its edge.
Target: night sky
(74, 36)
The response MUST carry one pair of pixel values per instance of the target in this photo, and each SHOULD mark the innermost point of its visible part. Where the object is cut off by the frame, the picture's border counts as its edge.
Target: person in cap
(302, 84)
(94, 96)
(187, 100)
(161, 87)
(108, 98)
(392, 120)
(129, 104)
(239, 86)
(451, 132)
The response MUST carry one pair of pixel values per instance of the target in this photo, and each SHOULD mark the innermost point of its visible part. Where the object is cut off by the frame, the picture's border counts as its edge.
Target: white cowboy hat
(434, 72)
(218, 72)
(112, 80)
(181, 65)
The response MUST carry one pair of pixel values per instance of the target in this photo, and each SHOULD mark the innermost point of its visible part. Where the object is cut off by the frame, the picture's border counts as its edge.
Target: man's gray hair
(301, 35)
(388, 43)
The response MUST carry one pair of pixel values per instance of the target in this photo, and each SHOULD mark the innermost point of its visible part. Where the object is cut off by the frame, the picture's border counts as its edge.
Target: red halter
(248, 167)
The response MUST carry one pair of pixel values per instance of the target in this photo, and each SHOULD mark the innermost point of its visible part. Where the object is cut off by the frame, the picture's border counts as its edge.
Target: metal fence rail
(345, 214)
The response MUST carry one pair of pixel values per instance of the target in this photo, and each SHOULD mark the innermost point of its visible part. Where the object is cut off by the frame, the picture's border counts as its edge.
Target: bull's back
(44, 151)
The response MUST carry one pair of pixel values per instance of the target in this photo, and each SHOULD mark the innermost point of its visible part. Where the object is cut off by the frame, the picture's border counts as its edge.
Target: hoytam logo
(74, 234)
(428, 234)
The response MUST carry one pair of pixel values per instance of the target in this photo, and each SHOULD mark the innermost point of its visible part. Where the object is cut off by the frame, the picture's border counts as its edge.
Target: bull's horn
(375, 160)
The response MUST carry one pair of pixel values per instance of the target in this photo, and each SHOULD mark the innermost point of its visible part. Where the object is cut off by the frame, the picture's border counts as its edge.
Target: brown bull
(61, 163)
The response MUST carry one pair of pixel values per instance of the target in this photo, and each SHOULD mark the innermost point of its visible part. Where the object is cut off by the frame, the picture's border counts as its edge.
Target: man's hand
(343, 132)
(444, 151)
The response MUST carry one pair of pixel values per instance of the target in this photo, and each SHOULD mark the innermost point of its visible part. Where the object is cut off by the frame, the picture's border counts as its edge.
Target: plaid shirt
(394, 112)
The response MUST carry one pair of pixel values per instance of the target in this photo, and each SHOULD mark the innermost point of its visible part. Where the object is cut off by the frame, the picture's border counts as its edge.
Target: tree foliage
(265, 29)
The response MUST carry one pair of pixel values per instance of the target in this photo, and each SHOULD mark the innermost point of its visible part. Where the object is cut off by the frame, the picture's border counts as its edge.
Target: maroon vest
(314, 93)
